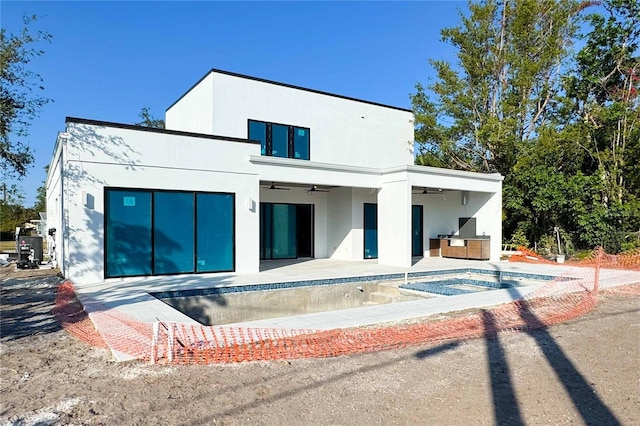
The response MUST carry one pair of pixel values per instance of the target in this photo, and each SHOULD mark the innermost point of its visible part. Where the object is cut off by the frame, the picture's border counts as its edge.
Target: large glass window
(215, 229)
(301, 143)
(370, 231)
(281, 140)
(258, 132)
(167, 232)
(128, 233)
(173, 232)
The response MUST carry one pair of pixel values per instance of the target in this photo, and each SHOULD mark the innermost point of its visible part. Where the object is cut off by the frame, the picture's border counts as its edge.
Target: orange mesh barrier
(627, 260)
(72, 316)
(566, 297)
(526, 255)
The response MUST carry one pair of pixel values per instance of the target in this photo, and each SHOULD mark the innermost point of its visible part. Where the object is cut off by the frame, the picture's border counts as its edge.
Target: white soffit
(416, 175)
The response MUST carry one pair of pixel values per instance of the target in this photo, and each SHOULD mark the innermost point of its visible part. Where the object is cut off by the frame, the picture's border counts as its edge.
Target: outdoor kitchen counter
(463, 248)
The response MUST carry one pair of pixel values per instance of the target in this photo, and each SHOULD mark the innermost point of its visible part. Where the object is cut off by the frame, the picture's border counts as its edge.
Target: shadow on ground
(506, 407)
(27, 302)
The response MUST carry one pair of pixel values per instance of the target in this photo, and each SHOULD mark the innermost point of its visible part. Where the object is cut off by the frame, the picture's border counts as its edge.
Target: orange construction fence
(557, 301)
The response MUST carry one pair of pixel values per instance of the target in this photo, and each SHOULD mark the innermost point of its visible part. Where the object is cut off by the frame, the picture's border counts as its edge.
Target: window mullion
(269, 140)
(290, 149)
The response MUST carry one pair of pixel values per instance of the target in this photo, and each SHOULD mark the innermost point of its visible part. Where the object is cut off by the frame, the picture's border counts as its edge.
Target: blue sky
(108, 60)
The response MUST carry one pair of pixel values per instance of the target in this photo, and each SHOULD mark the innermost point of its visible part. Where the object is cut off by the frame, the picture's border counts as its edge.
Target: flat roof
(290, 86)
(156, 130)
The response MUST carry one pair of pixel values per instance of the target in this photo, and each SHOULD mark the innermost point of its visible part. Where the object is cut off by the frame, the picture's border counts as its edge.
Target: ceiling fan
(315, 188)
(426, 191)
(278, 188)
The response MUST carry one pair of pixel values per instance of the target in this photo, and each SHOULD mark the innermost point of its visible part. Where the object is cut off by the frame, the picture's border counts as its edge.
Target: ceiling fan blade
(277, 188)
(426, 191)
(315, 188)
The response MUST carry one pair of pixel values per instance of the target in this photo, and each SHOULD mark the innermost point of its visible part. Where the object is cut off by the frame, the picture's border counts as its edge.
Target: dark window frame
(106, 189)
(291, 129)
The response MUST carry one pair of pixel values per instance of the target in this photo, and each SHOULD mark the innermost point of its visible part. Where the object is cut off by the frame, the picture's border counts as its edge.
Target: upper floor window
(281, 140)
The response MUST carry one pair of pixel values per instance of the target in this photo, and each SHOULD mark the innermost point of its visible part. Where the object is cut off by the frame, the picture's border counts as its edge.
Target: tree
(148, 120)
(563, 128)
(497, 108)
(41, 194)
(602, 96)
(20, 99)
(489, 105)
(13, 213)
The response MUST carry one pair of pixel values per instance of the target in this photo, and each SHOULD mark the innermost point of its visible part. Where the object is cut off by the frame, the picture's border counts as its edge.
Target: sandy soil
(585, 371)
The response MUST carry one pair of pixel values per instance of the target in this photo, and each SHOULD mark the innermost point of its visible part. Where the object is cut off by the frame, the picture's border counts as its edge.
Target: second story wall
(342, 131)
(193, 112)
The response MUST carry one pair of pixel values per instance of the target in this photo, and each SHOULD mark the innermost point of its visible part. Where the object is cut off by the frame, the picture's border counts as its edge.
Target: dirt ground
(584, 371)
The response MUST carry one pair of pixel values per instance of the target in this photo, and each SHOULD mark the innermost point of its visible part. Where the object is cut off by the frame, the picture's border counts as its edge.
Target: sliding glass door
(128, 249)
(150, 232)
(283, 243)
(215, 230)
(286, 231)
(173, 232)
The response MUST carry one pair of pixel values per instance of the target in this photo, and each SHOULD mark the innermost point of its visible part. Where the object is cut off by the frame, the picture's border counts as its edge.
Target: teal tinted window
(417, 248)
(173, 232)
(258, 131)
(128, 233)
(266, 211)
(370, 231)
(156, 232)
(215, 231)
(284, 231)
(301, 143)
(279, 140)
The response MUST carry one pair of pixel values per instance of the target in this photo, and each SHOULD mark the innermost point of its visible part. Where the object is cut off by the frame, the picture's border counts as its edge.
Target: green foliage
(631, 242)
(562, 127)
(41, 195)
(602, 93)
(20, 99)
(547, 245)
(487, 105)
(12, 211)
(147, 120)
(519, 237)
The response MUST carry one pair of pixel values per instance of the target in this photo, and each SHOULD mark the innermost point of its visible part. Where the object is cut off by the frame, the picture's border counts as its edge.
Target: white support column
(394, 223)
(493, 210)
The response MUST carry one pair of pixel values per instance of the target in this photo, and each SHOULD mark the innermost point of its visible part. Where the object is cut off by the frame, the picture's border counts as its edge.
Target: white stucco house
(249, 170)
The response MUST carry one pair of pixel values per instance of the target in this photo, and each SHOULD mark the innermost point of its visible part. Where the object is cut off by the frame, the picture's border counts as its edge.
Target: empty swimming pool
(227, 305)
